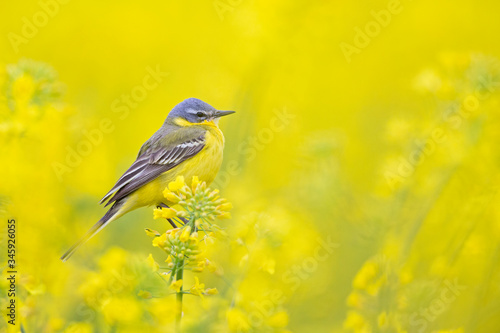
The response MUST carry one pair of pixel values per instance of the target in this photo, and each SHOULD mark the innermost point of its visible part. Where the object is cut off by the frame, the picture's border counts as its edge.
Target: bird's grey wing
(152, 163)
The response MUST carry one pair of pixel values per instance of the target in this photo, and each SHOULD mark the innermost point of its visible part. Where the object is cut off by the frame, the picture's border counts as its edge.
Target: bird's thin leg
(172, 223)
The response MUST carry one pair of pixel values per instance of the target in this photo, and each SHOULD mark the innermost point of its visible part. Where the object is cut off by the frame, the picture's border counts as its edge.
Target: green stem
(180, 272)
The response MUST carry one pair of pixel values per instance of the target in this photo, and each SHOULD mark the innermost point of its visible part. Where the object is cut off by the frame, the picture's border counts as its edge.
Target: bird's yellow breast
(205, 165)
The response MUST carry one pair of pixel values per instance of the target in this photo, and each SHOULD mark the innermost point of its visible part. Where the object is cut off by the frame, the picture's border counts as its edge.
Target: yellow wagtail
(189, 143)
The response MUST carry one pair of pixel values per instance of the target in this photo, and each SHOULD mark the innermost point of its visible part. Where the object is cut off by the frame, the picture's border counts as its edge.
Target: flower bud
(185, 234)
(211, 291)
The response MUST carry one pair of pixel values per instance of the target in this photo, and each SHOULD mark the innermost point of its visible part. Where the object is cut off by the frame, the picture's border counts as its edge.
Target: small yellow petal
(177, 184)
(210, 265)
(211, 291)
(144, 294)
(278, 319)
(226, 207)
(152, 263)
(157, 213)
(213, 194)
(185, 234)
(160, 241)
(182, 213)
(224, 216)
(169, 213)
(198, 287)
(194, 183)
(173, 231)
(176, 285)
(152, 233)
(355, 300)
(170, 196)
(164, 213)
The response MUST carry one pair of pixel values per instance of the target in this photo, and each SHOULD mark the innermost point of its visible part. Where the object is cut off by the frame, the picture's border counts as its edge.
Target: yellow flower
(170, 196)
(171, 233)
(356, 322)
(160, 241)
(152, 233)
(374, 287)
(198, 288)
(225, 207)
(176, 285)
(165, 213)
(177, 184)
(211, 291)
(144, 294)
(23, 88)
(365, 275)
(152, 263)
(194, 183)
(237, 321)
(212, 195)
(157, 213)
(185, 234)
(278, 319)
(355, 300)
(210, 265)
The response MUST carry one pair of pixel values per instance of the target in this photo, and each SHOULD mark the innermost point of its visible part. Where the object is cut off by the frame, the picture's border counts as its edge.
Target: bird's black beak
(220, 113)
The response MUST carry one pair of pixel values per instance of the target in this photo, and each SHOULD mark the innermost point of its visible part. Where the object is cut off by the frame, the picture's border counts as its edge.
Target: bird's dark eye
(200, 114)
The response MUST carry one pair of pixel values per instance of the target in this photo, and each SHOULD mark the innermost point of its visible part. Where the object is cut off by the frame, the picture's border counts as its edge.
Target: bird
(189, 143)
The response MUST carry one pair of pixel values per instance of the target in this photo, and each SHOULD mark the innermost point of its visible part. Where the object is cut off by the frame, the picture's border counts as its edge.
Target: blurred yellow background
(362, 162)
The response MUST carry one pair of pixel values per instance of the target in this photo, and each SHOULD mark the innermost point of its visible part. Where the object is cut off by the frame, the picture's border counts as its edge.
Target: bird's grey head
(196, 111)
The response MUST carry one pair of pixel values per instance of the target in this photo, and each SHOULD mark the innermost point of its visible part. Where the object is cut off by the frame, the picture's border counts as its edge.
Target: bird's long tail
(112, 214)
